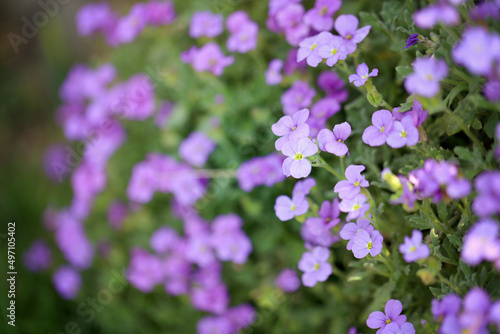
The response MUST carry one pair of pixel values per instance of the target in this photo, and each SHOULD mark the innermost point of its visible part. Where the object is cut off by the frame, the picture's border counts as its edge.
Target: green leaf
(421, 223)
(404, 70)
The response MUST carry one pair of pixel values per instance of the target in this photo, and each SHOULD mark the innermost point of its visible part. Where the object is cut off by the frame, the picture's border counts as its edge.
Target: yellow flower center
(334, 51)
(369, 245)
(382, 129)
(323, 11)
(293, 128)
(413, 249)
(429, 77)
(314, 46)
(388, 321)
(356, 183)
(349, 36)
(298, 156)
(364, 76)
(293, 208)
(356, 207)
(403, 134)
(316, 266)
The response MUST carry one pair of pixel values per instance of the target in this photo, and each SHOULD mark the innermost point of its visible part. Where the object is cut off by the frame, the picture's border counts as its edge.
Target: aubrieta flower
(287, 280)
(297, 97)
(291, 64)
(38, 257)
(320, 17)
(413, 249)
(131, 25)
(379, 320)
(356, 206)
(347, 27)
(321, 111)
(441, 12)
(160, 12)
(291, 127)
(362, 75)
(67, 282)
(393, 328)
(406, 195)
(376, 134)
(328, 218)
(333, 142)
(72, 241)
(244, 33)
(199, 249)
(477, 50)
(417, 113)
(308, 48)
(286, 208)
(210, 58)
(163, 114)
(350, 230)
(213, 299)
(258, 171)
(303, 187)
(235, 19)
(117, 212)
(412, 40)
(365, 243)
(241, 317)
(315, 266)
(351, 187)
(206, 24)
(144, 271)
(491, 90)
(403, 133)
(481, 243)
(209, 325)
(487, 185)
(196, 148)
(449, 305)
(273, 72)
(297, 150)
(164, 240)
(229, 240)
(334, 48)
(290, 20)
(333, 86)
(427, 73)
(94, 17)
(326, 239)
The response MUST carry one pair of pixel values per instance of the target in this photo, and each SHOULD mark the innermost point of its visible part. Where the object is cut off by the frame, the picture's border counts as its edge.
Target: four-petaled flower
(376, 134)
(413, 249)
(352, 186)
(297, 151)
(315, 266)
(393, 309)
(362, 75)
(291, 127)
(333, 142)
(365, 243)
(403, 133)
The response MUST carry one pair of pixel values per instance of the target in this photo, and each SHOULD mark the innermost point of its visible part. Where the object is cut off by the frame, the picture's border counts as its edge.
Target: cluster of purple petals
(487, 186)
(100, 18)
(196, 148)
(395, 128)
(67, 282)
(206, 24)
(439, 180)
(208, 58)
(473, 314)
(191, 265)
(297, 97)
(315, 267)
(231, 322)
(38, 257)
(362, 238)
(259, 171)
(165, 174)
(287, 208)
(413, 249)
(391, 321)
(287, 280)
(442, 12)
(482, 243)
(244, 32)
(427, 73)
(349, 190)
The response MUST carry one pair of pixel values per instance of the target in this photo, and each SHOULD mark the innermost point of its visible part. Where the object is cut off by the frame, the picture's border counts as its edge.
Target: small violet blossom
(356, 207)
(196, 148)
(351, 187)
(350, 230)
(206, 24)
(328, 218)
(291, 127)
(320, 17)
(362, 75)
(379, 320)
(427, 72)
(481, 243)
(299, 96)
(347, 27)
(315, 266)
(365, 243)
(403, 133)
(273, 72)
(376, 134)
(413, 249)
(297, 165)
(286, 208)
(333, 142)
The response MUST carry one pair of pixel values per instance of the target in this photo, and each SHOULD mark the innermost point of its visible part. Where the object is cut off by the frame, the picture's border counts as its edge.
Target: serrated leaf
(404, 70)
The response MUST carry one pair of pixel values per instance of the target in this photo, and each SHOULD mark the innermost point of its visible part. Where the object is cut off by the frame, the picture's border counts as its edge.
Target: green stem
(447, 282)
(326, 166)
(426, 208)
(342, 165)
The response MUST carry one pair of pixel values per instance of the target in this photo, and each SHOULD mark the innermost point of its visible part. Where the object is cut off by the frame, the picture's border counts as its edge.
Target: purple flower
(350, 230)
(240, 317)
(54, 162)
(413, 249)
(196, 148)
(428, 17)
(333, 86)
(321, 111)
(474, 318)
(326, 239)
(210, 58)
(449, 305)
(351, 187)
(365, 243)
(163, 114)
(94, 17)
(320, 17)
(211, 325)
(206, 24)
(487, 185)
(144, 271)
(299, 96)
(356, 206)
(403, 133)
(38, 257)
(393, 309)
(291, 127)
(412, 40)
(142, 185)
(417, 113)
(308, 48)
(333, 142)
(199, 250)
(73, 242)
(481, 243)
(131, 25)
(210, 299)
(477, 50)
(302, 188)
(333, 49)
(407, 197)
(117, 212)
(229, 241)
(393, 328)
(347, 27)
(376, 134)
(260, 171)
(136, 99)
(491, 90)
(67, 282)
(287, 280)
(273, 72)
(286, 208)
(328, 218)
(160, 12)
(244, 39)
(427, 72)
(362, 75)
(297, 165)
(291, 64)
(235, 20)
(315, 266)
(289, 19)
(164, 239)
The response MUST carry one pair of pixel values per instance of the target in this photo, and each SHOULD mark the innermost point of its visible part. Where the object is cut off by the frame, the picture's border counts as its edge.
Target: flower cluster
(392, 321)
(363, 238)
(260, 171)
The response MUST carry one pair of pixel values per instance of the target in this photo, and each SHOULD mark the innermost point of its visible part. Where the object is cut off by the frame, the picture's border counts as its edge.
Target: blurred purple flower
(320, 17)
(315, 266)
(214, 300)
(265, 170)
(427, 73)
(417, 113)
(481, 243)
(393, 328)
(160, 12)
(441, 12)
(196, 148)
(38, 257)
(333, 86)
(449, 305)
(206, 24)
(287, 280)
(297, 97)
(67, 282)
(487, 185)
(362, 75)
(210, 58)
(117, 212)
(328, 218)
(144, 271)
(291, 127)
(244, 39)
(413, 249)
(273, 72)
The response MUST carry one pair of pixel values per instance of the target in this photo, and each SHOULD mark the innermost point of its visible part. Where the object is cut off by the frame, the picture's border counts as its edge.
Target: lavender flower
(289, 19)
(210, 299)
(299, 96)
(287, 280)
(333, 86)
(326, 239)
(210, 325)
(347, 27)
(244, 39)
(297, 165)
(290, 128)
(199, 249)
(403, 133)
(94, 17)
(260, 171)
(417, 113)
(333, 142)
(413, 249)
(430, 16)
(308, 48)
(328, 218)
(302, 188)
(164, 239)
(38, 257)
(393, 328)
(320, 17)
(351, 187)
(412, 40)
(160, 12)
(117, 212)
(206, 24)
(362, 75)
(449, 305)
(196, 148)
(67, 282)
(487, 185)
(286, 208)
(427, 72)
(144, 271)
(376, 134)
(356, 206)
(350, 230)
(130, 26)
(210, 58)
(365, 243)
(273, 72)
(315, 266)
(393, 309)
(481, 243)
(241, 317)
(333, 49)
